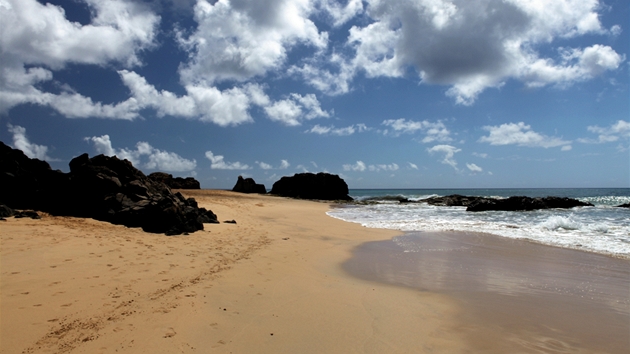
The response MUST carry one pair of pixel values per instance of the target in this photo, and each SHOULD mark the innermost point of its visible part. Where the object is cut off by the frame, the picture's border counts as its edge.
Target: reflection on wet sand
(514, 294)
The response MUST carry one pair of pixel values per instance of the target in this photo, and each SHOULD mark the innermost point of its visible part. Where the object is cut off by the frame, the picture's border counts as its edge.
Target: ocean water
(602, 228)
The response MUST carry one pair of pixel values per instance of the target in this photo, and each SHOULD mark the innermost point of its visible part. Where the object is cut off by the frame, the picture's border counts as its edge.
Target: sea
(602, 228)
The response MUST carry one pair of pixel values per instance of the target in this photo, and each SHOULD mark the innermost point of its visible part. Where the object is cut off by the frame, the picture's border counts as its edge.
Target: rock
(525, 203)
(627, 205)
(230, 221)
(453, 200)
(175, 182)
(248, 185)
(27, 214)
(103, 188)
(321, 186)
(6, 212)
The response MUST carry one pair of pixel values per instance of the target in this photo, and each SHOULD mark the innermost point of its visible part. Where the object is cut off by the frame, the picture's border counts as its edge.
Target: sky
(384, 93)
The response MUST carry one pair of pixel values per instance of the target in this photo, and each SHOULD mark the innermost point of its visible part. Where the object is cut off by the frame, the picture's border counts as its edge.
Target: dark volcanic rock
(453, 200)
(176, 182)
(248, 185)
(104, 188)
(322, 186)
(627, 205)
(525, 203)
(27, 214)
(5, 211)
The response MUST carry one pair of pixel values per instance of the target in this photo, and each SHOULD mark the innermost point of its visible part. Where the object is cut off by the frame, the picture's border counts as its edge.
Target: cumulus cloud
(470, 45)
(284, 164)
(520, 134)
(434, 131)
(360, 166)
(294, 109)
(331, 130)
(218, 163)
(238, 40)
(38, 38)
(21, 142)
(474, 168)
(448, 152)
(156, 159)
(615, 132)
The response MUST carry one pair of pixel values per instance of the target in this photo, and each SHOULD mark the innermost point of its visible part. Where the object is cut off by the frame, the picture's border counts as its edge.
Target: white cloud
(434, 131)
(339, 14)
(157, 159)
(449, 153)
(293, 110)
(331, 130)
(474, 168)
(378, 168)
(359, 166)
(264, 166)
(238, 40)
(520, 134)
(21, 142)
(616, 131)
(284, 164)
(469, 45)
(413, 166)
(218, 163)
(482, 155)
(38, 36)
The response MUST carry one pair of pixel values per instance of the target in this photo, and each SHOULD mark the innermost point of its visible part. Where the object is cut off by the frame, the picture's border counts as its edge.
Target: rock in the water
(627, 205)
(248, 185)
(175, 182)
(525, 203)
(321, 186)
(104, 188)
(452, 200)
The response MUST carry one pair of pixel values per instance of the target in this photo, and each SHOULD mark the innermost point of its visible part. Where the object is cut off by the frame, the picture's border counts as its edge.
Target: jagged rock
(452, 200)
(248, 185)
(525, 203)
(104, 188)
(321, 186)
(27, 214)
(175, 182)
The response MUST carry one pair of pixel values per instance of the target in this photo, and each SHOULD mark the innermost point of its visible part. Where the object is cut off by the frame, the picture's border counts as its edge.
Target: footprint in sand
(170, 332)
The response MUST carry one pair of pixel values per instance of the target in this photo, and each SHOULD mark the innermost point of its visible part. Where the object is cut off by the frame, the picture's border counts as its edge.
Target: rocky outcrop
(627, 205)
(248, 185)
(453, 200)
(175, 182)
(525, 203)
(104, 188)
(321, 186)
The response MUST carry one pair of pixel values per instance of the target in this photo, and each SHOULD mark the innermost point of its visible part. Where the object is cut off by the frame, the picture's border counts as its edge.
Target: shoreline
(273, 282)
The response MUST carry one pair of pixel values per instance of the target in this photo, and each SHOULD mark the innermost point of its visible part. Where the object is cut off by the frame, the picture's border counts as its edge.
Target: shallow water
(513, 293)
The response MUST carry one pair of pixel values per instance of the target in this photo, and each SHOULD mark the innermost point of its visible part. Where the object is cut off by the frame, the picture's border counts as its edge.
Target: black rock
(248, 185)
(525, 203)
(27, 214)
(321, 186)
(453, 200)
(104, 188)
(175, 182)
(6, 212)
(627, 205)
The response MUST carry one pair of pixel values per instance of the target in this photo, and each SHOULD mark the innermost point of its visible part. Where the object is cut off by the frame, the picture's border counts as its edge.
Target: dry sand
(272, 283)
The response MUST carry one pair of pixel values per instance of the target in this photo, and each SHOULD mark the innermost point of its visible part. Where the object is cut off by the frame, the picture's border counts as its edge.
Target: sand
(275, 282)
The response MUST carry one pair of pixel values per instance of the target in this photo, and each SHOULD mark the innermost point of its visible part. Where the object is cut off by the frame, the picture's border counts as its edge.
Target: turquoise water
(603, 228)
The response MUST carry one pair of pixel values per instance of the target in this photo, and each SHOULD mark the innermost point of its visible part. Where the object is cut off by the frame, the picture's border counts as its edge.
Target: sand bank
(273, 282)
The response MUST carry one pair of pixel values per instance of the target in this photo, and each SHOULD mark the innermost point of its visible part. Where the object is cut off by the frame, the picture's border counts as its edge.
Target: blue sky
(387, 94)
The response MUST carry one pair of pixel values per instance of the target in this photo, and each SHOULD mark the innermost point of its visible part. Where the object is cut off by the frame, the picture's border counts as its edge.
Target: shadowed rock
(627, 205)
(248, 185)
(175, 182)
(525, 203)
(452, 200)
(103, 188)
(321, 186)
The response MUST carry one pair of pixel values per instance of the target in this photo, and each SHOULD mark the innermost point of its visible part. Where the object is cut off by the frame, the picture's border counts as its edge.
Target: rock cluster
(516, 203)
(175, 182)
(103, 188)
(248, 185)
(321, 186)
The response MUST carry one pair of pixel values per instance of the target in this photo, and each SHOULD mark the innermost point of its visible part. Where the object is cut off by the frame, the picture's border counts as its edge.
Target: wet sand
(516, 296)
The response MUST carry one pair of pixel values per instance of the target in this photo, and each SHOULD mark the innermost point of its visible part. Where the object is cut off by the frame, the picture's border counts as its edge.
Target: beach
(281, 279)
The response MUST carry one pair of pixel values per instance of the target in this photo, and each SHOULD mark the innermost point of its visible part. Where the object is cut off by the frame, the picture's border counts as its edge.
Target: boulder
(175, 182)
(6, 212)
(525, 203)
(248, 185)
(103, 188)
(321, 186)
(627, 205)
